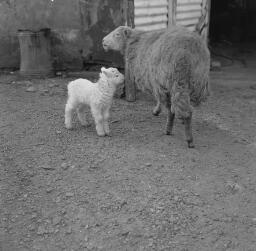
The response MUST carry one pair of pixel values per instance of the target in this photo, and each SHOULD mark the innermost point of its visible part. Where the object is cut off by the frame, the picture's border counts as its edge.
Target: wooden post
(172, 6)
(202, 26)
(130, 88)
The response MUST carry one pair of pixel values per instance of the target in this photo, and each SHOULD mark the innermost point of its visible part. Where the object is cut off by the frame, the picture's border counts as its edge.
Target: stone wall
(78, 27)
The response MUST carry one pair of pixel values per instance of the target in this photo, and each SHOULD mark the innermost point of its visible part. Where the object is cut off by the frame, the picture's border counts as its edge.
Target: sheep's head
(116, 39)
(113, 75)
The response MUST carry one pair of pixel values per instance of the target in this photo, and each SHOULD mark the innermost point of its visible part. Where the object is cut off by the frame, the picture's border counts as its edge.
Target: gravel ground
(136, 190)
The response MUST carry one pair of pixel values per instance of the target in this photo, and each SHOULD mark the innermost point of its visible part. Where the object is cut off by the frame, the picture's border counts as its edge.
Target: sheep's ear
(127, 32)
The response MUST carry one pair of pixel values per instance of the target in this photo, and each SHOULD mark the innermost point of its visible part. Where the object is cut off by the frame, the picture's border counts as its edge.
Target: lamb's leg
(170, 115)
(105, 121)
(98, 118)
(82, 115)
(188, 131)
(157, 108)
(69, 108)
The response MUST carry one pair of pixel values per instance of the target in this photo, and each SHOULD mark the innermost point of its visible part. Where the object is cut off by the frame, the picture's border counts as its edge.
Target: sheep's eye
(117, 76)
(117, 34)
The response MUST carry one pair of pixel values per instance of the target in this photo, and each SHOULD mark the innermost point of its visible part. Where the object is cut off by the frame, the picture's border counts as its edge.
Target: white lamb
(98, 96)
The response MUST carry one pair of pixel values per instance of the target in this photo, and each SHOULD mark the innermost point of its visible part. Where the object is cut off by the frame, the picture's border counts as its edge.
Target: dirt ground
(136, 190)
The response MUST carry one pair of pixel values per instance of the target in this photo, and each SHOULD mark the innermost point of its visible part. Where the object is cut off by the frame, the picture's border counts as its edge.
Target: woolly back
(152, 57)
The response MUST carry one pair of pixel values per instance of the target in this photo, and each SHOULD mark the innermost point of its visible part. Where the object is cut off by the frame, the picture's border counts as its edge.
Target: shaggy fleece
(174, 61)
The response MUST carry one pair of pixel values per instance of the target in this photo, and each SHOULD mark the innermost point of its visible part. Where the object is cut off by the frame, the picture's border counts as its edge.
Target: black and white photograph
(127, 125)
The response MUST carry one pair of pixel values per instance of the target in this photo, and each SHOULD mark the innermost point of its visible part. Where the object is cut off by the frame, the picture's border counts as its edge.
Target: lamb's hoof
(101, 134)
(190, 144)
(69, 127)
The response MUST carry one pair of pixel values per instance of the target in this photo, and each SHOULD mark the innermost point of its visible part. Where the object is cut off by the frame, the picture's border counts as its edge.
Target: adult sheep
(173, 65)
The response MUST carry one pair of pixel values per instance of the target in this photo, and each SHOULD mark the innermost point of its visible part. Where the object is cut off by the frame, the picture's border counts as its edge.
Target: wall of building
(78, 27)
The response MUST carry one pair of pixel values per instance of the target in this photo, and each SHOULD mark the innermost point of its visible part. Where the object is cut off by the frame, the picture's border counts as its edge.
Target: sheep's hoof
(169, 133)
(190, 144)
(156, 111)
(86, 124)
(107, 133)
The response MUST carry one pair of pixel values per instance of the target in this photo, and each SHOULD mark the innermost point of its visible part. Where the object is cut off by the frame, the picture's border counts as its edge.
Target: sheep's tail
(199, 91)
(180, 98)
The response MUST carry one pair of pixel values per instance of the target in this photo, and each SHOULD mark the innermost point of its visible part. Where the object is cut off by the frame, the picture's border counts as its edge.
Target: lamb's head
(116, 39)
(113, 76)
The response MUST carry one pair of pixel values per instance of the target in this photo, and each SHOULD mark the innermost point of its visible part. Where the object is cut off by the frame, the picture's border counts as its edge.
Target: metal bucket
(35, 52)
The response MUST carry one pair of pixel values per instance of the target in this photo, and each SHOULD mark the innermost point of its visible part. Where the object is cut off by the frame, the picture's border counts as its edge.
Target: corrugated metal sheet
(151, 14)
(188, 13)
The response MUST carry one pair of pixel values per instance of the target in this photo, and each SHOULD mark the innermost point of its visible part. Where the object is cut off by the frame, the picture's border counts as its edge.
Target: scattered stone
(58, 199)
(193, 160)
(58, 73)
(58, 132)
(49, 189)
(47, 167)
(233, 187)
(148, 164)
(64, 166)
(63, 211)
(45, 91)
(30, 173)
(51, 230)
(69, 230)
(56, 220)
(32, 227)
(115, 121)
(51, 85)
(125, 234)
(33, 216)
(41, 230)
(31, 89)
(91, 167)
(69, 194)
(176, 198)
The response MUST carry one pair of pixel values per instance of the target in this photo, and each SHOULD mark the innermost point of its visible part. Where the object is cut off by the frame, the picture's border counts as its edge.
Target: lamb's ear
(106, 72)
(103, 69)
(127, 32)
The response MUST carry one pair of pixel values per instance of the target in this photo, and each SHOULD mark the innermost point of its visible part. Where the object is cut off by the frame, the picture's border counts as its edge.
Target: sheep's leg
(82, 115)
(157, 108)
(98, 118)
(105, 121)
(188, 131)
(69, 108)
(170, 116)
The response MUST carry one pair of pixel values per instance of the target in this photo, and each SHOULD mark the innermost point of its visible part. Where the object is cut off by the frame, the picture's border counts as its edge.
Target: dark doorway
(232, 30)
